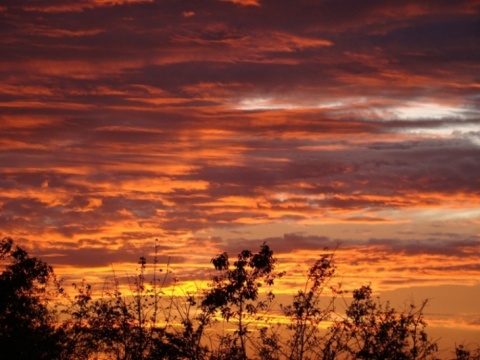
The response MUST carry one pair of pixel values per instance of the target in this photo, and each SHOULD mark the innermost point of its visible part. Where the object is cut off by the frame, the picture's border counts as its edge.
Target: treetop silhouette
(235, 318)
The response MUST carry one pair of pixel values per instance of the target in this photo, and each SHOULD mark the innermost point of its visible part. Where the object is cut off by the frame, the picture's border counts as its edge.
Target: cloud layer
(217, 125)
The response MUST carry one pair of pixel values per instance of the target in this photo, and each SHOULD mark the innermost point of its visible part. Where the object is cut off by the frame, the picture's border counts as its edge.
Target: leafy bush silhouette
(234, 293)
(372, 330)
(462, 352)
(26, 322)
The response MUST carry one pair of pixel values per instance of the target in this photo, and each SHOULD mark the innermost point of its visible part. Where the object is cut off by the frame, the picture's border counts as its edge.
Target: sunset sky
(215, 125)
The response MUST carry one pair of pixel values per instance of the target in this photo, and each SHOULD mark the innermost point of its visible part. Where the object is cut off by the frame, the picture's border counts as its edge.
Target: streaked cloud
(217, 125)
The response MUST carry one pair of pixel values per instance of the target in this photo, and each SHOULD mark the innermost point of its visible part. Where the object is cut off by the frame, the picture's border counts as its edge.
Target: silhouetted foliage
(234, 293)
(149, 323)
(375, 331)
(305, 313)
(26, 323)
(119, 326)
(105, 325)
(463, 352)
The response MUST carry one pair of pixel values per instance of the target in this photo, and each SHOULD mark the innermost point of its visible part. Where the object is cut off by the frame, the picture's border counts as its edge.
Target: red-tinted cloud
(214, 125)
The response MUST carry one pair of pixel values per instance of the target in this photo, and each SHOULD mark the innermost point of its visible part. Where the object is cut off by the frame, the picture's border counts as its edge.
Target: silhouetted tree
(235, 295)
(182, 335)
(27, 328)
(306, 312)
(104, 325)
(116, 325)
(149, 324)
(463, 352)
(143, 324)
(375, 331)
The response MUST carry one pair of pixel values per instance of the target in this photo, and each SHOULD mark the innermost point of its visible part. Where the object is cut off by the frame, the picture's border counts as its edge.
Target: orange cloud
(214, 127)
(244, 2)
